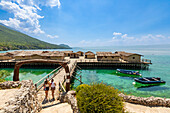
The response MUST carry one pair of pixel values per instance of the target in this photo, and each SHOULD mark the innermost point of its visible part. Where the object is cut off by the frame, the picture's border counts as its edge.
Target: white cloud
(113, 38)
(52, 3)
(50, 36)
(120, 36)
(85, 42)
(124, 36)
(146, 39)
(117, 33)
(26, 17)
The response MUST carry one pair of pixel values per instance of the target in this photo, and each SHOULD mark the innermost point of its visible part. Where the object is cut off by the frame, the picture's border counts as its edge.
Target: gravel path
(6, 95)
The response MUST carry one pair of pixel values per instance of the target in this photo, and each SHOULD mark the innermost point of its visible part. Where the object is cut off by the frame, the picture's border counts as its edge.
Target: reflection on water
(124, 84)
(27, 74)
(153, 88)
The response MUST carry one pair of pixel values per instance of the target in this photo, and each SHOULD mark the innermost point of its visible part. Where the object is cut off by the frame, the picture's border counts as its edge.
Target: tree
(3, 75)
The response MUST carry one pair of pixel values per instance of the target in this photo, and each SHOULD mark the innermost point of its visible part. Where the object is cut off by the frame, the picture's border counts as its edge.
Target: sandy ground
(58, 108)
(6, 95)
(135, 108)
(52, 106)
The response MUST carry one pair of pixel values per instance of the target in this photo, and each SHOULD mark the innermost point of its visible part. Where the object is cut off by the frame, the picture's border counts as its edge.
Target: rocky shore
(10, 84)
(148, 101)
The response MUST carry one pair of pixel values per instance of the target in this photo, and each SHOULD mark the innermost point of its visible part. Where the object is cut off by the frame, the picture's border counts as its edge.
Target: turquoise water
(27, 74)
(159, 54)
(160, 57)
(124, 84)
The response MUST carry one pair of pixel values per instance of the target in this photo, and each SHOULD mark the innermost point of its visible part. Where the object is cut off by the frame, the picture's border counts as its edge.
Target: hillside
(14, 40)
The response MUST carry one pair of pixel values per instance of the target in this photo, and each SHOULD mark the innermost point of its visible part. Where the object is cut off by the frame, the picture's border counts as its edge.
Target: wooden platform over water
(83, 63)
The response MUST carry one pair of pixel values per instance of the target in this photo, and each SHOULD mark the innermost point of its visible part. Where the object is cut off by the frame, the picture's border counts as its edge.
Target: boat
(148, 81)
(129, 73)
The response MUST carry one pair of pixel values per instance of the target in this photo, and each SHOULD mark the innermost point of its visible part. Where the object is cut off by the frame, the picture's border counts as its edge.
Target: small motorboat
(148, 81)
(129, 73)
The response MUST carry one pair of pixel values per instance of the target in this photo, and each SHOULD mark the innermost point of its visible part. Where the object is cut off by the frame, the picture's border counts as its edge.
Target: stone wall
(24, 101)
(10, 84)
(149, 101)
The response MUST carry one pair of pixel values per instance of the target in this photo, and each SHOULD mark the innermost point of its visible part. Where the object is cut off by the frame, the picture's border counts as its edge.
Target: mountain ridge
(11, 39)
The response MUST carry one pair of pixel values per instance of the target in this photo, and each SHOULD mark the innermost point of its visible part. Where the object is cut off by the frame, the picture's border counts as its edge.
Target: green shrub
(99, 98)
(81, 87)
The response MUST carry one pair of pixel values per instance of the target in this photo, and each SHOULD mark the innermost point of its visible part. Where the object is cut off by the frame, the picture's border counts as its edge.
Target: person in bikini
(46, 88)
(53, 84)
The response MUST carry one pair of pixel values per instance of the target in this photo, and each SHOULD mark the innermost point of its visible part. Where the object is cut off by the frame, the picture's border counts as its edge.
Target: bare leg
(46, 94)
(52, 93)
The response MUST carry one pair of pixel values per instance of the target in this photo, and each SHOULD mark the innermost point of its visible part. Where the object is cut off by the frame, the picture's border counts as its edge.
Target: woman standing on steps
(53, 84)
(46, 88)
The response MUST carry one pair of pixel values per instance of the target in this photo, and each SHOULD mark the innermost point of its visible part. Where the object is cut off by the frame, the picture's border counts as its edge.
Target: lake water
(159, 54)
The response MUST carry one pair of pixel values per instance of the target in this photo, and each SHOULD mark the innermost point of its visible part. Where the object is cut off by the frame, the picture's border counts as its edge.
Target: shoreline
(136, 108)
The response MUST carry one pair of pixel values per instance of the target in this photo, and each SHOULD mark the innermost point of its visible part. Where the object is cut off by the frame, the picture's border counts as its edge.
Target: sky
(81, 23)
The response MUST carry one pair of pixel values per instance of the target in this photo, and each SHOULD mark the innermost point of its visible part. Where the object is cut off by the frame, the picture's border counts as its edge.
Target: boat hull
(151, 80)
(148, 81)
(127, 75)
(140, 85)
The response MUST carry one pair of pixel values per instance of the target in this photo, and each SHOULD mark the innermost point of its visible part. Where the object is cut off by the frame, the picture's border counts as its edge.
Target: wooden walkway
(59, 77)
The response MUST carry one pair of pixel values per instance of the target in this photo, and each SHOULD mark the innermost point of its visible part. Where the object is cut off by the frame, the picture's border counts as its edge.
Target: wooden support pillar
(16, 73)
(67, 82)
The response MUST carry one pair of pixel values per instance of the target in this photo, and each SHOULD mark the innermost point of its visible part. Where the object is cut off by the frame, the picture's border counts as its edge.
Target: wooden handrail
(78, 80)
(38, 87)
(61, 87)
(48, 74)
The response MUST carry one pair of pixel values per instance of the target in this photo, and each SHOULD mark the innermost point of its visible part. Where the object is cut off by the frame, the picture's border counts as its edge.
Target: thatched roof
(67, 51)
(107, 54)
(111, 55)
(79, 52)
(2, 54)
(89, 53)
(40, 53)
(57, 54)
(123, 53)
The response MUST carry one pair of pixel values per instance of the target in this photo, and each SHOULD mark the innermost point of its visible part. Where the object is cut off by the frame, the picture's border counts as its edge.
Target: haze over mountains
(10, 39)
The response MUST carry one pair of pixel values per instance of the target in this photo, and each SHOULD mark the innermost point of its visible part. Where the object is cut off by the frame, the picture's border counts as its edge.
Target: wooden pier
(60, 78)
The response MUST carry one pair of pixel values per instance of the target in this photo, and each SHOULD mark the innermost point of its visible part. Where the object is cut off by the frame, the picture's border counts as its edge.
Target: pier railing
(18, 60)
(72, 66)
(49, 76)
(146, 61)
(95, 60)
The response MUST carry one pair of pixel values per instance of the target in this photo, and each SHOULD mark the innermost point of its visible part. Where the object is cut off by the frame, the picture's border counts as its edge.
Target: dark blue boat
(149, 80)
(128, 73)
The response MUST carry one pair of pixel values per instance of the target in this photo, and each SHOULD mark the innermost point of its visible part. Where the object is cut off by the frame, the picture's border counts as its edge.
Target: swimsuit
(46, 87)
(52, 86)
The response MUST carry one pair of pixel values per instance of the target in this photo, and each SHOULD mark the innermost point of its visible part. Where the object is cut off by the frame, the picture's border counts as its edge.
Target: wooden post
(67, 82)
(16, 73)
(80, 80)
